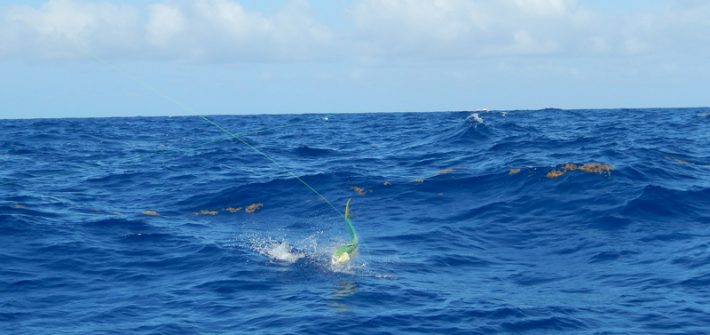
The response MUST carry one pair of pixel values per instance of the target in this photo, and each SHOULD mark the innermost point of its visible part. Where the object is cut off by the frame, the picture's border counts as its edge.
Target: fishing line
(233, 135)
(188, 150)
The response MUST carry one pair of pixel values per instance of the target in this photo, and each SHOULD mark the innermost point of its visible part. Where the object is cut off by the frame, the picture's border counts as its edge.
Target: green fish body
(344, 253)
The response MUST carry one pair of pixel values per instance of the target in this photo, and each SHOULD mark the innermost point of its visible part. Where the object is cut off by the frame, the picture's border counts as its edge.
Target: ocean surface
(517, 222)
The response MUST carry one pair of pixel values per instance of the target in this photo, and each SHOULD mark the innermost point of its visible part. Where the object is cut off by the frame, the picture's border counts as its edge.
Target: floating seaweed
(513, 171)
(151, 213)
(386, 183)
(233, 209)
(359, 190)
(596, 168)
(253, 207)
(588, 168)
(207, 212)
(569, 167)
(555, 174)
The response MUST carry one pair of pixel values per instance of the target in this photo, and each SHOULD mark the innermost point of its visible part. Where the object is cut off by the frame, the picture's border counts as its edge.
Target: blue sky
(73, 58)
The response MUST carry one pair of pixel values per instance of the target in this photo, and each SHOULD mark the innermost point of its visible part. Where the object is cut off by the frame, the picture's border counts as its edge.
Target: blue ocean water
(139, 225)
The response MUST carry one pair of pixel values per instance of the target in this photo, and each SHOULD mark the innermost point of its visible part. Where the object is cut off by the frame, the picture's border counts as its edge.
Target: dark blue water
(452, 240)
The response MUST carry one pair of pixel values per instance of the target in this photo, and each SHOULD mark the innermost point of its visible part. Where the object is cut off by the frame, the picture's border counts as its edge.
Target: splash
(306, 252)
(279, 251)
(347, 267)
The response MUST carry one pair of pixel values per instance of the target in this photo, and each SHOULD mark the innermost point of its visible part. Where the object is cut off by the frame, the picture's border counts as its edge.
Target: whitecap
(475, 118)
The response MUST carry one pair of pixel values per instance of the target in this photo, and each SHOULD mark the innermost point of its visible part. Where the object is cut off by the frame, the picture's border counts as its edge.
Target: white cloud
(223, 28)
(201, 29)
(164, 25)
(545, 7)
(67, 29)
(374, 29)
(473, 28)
(464, 28)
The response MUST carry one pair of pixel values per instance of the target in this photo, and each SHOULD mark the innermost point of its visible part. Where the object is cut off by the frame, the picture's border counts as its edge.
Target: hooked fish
(345, 253)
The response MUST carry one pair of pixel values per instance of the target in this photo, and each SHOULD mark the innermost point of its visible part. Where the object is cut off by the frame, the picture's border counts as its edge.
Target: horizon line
(481, 110)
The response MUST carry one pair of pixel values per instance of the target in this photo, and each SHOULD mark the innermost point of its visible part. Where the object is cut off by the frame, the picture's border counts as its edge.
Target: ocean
(492, 222)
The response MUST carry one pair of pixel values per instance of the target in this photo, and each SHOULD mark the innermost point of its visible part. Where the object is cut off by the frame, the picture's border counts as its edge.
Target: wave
(659, 203)
(466, 226)
(306, 151)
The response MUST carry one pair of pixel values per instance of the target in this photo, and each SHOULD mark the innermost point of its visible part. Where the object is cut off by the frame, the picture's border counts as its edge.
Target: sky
(79, 58)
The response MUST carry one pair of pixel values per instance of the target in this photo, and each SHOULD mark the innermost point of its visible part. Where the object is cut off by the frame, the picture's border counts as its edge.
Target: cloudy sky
(63, 58)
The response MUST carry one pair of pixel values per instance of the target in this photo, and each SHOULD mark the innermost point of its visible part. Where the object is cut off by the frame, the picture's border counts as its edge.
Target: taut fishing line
(236, 137)
(194, 148)
(341, 255)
